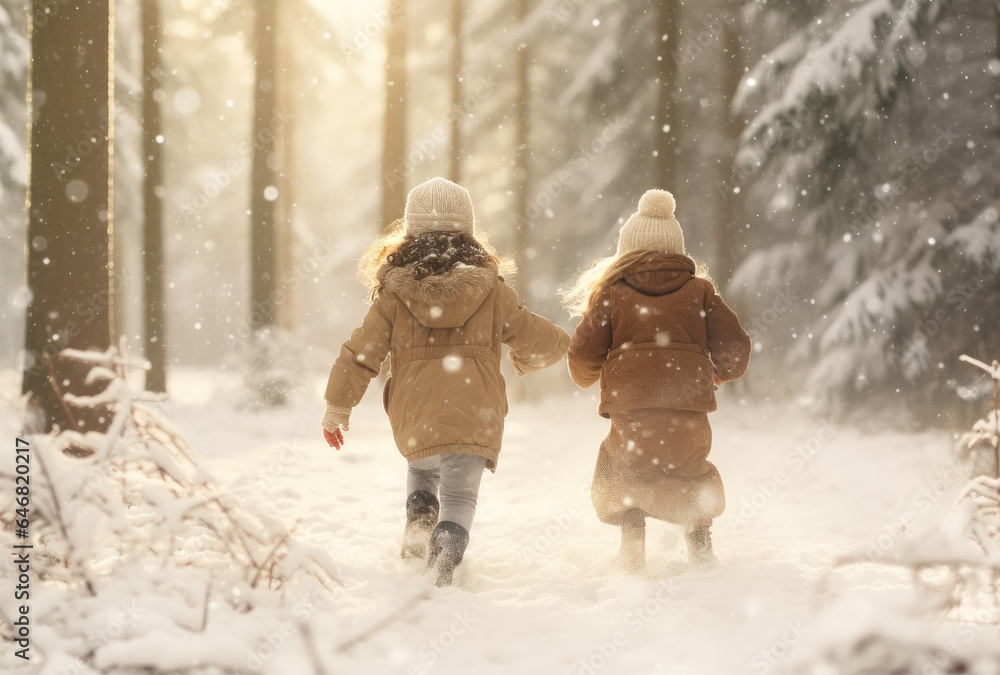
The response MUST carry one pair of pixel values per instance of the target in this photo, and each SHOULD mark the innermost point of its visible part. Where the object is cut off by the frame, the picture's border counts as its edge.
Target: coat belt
(478, 352)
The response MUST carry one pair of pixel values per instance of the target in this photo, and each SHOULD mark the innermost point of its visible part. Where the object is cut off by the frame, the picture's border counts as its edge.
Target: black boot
(700, 551)
(632, 555)
(421, 517)
(448, 542)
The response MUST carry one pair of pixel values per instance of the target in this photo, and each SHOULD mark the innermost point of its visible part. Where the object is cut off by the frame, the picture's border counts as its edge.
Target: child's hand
(335, 439)
(718, 380)
(335, 421)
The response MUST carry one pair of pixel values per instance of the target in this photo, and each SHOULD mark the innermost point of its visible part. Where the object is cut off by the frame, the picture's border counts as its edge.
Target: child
(441, 311)
(659, 338)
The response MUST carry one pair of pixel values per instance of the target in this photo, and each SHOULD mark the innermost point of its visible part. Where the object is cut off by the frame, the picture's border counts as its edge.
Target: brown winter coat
(655, 338)
(443, 335)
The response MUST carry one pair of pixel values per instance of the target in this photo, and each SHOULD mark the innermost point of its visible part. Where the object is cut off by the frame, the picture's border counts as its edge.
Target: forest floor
(539, 591)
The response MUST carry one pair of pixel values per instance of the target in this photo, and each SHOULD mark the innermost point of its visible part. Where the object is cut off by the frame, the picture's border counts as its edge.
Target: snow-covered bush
(856, 636)
(140, 560)
(981, 497)
(943, 621)
(947, 621)
(963, 554)
(982, 445)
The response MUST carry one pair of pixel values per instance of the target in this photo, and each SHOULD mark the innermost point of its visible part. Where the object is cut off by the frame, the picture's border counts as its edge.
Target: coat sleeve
(360, 358)
(728, 343)
(535, 342)
(591, 342)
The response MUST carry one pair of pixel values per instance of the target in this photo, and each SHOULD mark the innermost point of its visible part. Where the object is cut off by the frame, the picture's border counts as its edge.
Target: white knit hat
(653, 227)
(439, 205)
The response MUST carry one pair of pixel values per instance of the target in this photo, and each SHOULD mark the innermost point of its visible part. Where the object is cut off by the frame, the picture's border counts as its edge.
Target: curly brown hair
(428, 254)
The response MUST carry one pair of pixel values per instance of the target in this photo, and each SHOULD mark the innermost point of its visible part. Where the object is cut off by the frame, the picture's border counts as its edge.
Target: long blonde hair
(377, 258)
(606, 271)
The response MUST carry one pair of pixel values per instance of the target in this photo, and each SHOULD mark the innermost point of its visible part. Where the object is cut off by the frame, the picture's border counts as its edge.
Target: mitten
(336, 416)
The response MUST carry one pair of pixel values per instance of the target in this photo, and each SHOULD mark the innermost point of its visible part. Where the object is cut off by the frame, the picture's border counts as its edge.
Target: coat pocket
(494, 374)
(385, 394)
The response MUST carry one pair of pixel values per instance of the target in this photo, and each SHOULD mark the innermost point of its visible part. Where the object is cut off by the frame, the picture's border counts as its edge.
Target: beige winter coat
(443, 335)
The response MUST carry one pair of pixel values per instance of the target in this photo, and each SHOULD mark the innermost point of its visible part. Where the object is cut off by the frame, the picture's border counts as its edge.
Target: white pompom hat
(653, 227)
(439, 205)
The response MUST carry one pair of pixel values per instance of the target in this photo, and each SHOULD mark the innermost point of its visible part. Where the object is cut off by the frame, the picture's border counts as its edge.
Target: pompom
(657, 204)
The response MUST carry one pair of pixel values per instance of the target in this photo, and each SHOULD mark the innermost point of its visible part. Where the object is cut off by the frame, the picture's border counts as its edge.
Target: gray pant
(457, 476)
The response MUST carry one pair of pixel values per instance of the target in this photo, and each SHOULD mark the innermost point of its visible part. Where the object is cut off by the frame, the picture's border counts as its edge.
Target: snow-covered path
(538, 592)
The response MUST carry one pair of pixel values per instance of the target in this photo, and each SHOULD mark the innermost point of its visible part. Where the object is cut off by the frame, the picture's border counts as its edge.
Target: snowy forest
(187, 188)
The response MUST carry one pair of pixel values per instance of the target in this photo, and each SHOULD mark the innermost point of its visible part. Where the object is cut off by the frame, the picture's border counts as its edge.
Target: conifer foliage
(858, 124)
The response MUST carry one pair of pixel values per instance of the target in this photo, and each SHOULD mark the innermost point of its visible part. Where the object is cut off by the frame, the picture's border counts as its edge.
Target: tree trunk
(394, 129)
(70, 217)
(522, 159)
(729, 251)
(455, 166)
(665, 133)
(264, 172)
(152, 250)
(286, 235)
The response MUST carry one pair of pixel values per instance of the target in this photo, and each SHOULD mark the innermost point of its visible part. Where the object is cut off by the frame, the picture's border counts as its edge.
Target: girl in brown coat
(659, 338)
(440, 312)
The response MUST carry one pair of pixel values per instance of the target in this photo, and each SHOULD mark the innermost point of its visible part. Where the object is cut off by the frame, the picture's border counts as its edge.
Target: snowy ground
(539, 592)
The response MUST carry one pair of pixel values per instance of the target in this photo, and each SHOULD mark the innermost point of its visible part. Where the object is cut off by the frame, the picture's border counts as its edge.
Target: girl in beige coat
(440, 312)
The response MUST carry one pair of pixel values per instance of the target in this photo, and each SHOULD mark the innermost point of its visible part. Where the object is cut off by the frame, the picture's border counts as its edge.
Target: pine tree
(264, 172)
(595, 151)
(394, 185)
(13, 171)
(665, 143)
(729, 251)
(457, 64)
(872, 167)
(152, 194)
(523, 226)
(70, 214)
(289, 92)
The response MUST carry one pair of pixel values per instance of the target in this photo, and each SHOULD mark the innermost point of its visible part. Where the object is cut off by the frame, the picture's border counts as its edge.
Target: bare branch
(307, 638)
(256, 578)
(384, 623)
(993, 371)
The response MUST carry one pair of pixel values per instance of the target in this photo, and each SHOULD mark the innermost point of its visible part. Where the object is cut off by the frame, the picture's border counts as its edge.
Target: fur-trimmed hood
(442, 300)
(659, 273)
